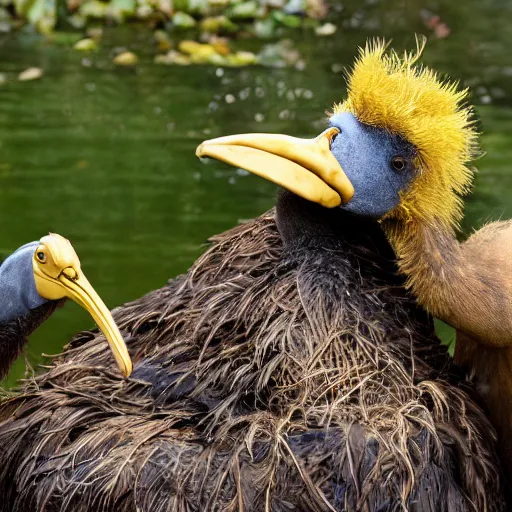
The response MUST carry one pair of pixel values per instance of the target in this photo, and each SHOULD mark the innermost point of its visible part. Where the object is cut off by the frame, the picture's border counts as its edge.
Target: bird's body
(489, 252)
(399, 149)
(483, 319)
(469, 286)
(288, 370)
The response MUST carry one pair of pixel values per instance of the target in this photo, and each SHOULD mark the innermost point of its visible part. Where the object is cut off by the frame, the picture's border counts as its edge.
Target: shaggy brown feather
(288, 370)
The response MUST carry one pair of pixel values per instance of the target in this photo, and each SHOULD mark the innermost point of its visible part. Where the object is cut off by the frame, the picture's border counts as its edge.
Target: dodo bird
(413, 184)
(34, 281)
(289, 369)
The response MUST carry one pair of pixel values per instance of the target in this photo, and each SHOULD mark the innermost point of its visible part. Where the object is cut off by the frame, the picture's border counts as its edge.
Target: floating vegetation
(218, 52)
(126, 59)
(185, 32)
(86, 45)
(326, 30)
(30, 74)
(263, 18)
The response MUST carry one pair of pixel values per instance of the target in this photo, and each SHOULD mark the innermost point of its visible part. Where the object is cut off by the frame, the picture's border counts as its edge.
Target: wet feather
(281, 373)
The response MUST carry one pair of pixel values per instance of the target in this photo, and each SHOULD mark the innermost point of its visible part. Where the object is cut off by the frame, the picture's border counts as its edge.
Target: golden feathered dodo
(416, 193)
(289, 369)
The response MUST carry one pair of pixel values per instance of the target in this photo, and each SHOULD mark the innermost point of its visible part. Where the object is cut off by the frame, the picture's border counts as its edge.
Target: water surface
(105, 156)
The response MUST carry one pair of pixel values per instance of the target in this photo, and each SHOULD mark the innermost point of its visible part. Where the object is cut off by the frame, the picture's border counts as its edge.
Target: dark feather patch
(268, 378)
(14, 334)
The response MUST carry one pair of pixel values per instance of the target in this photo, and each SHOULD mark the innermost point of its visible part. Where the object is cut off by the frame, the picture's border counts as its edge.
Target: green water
(105, 156)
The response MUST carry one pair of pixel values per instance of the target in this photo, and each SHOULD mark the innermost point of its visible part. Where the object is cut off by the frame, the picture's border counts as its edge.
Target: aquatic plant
(264, 18)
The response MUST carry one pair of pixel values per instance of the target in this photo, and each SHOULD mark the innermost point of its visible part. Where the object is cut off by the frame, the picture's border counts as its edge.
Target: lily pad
(173, 57)
(126, 59)
(191, 6)
(183, 20)
(288, 20)
(120, 9)
(265, 29)
(221, 46)
(275, 4)
(244, 10)
(197, 51)
(77, 20)
(165, 6)
(327, 29)
(30, 74)
(86, 45)
(242, 59)
(317, 9)
(95, 33)
(94, 9)
(295, 7)
(216, 24)
(203, 55)
(218, 60)
(163, 40)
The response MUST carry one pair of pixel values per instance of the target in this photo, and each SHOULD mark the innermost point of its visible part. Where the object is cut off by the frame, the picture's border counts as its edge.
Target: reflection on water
(105, 156)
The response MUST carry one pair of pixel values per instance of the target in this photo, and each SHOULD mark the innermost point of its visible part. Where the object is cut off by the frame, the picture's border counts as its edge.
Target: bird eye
(398, 163)
(41, 256)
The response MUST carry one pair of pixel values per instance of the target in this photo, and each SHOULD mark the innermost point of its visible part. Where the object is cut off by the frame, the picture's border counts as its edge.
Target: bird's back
(280, 377)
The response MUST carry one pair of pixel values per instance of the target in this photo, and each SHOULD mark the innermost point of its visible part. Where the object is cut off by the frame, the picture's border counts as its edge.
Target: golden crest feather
(408, 99)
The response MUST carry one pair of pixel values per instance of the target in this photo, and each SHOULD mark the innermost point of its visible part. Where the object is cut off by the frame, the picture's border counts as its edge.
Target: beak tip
(199, 151)
(127, 371)
(349, 194)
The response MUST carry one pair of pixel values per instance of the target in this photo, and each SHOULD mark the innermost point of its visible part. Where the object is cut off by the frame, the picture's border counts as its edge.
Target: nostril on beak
(70, 273)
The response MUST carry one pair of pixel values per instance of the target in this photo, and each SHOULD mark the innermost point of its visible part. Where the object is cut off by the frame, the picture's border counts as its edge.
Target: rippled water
(105, 156)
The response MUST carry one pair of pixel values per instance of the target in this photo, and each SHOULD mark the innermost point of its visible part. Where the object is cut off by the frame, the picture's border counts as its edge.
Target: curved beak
(71, 283)
(306, 167)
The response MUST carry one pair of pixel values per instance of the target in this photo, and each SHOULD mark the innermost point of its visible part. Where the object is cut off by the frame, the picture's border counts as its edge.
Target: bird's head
(49, 270)
(398, 147)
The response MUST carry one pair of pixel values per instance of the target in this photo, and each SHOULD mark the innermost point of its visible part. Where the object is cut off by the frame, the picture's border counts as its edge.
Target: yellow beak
(60, 276)
(306, 167)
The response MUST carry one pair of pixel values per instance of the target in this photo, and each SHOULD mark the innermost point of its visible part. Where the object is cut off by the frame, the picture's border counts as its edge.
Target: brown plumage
(288, 370)
(469, 286)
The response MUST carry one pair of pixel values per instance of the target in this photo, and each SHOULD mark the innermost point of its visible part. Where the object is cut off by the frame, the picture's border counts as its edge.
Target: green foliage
(288, 20)
(183, 20)
(243, 10)
(94, 9)
(41, 13)
(261, 18)
(121, 9)
(86, 45)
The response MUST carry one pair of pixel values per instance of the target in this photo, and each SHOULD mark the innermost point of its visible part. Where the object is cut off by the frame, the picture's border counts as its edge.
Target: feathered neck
(446, 280)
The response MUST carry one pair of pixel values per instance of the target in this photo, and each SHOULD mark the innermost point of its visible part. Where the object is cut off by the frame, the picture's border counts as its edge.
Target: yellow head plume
(408, 99)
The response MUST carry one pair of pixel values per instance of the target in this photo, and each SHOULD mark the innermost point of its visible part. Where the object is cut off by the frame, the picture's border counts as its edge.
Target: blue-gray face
(18, 293)
(378, 164)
